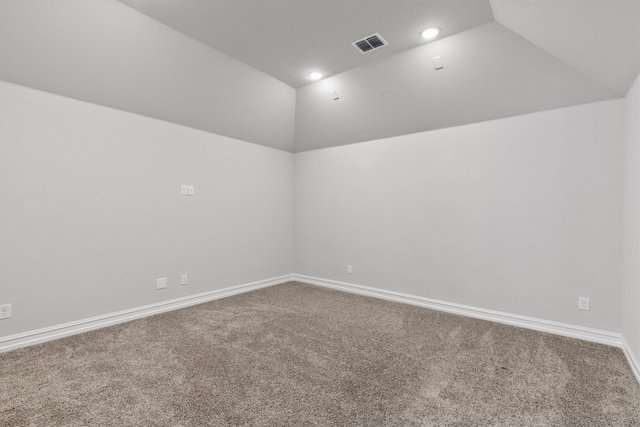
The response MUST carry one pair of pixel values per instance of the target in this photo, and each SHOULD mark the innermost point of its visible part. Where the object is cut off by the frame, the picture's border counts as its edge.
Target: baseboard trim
(12, 342)
(564, 329)
(634, 362)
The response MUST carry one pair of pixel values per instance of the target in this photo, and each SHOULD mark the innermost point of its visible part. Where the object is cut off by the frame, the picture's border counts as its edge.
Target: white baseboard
(58, 331)
(633, 360)
(567, 330)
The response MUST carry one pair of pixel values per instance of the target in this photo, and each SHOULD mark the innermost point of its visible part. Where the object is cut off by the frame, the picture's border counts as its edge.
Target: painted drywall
(107, 53)
(287, 39)
(91, 211)
(631, 235)
(489, 72)
(565, 29)
(520, 215)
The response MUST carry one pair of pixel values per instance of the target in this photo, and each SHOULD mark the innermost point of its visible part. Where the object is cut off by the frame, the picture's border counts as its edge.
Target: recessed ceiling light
(430, 33)
(315, 75)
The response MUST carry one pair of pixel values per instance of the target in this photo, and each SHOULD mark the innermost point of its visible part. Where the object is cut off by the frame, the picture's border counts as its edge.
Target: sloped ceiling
(173, 60)
(601, 39)
(539, 55)
(501, 57)
(289, 38)
(405, 94)
(106, 53)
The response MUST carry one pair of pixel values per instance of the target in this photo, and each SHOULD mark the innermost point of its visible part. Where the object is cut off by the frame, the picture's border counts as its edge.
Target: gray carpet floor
(300, 355)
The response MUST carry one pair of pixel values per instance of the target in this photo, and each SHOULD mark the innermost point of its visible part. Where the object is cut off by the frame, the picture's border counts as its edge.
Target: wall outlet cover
(583, 303)
(161, 283)
(5, 311)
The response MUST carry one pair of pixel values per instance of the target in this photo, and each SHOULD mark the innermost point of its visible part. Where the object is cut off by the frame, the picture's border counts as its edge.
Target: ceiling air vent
(369, 43)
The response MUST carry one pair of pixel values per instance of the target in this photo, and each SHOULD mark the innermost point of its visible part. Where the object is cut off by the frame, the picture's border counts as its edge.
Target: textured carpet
(301, 355)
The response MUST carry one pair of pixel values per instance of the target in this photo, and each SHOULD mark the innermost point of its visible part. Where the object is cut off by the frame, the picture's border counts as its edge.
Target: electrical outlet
(5, 311)
(183, 279)
(161, 283)
(349, 269)
(583, 303)
(191, 190)
(184, 190)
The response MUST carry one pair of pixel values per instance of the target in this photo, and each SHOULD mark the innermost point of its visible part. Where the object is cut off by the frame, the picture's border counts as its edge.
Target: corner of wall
(631, 224)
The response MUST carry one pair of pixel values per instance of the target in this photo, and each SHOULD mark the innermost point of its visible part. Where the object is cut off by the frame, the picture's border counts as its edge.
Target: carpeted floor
(300, 355)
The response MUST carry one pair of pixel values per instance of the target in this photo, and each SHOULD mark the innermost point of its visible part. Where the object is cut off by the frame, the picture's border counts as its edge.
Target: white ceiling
(599, 38)
(502, 57)
(287, 39)
(405, 94)
(105, 53)
(238, 67)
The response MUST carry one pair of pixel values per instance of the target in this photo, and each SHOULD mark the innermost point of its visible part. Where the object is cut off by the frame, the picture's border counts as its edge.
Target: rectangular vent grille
(369, 43)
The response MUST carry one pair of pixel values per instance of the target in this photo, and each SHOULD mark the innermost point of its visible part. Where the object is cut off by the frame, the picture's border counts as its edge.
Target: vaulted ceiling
(287, 39)
(501, 58)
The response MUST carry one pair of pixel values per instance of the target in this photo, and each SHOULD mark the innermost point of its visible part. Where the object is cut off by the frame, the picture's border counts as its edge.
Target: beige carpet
(299, 355)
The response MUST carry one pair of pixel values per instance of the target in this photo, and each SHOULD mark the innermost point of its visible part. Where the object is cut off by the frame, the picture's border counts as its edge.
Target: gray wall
(91, 212)
(521, 215)
(631, 287)
(109, 54)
